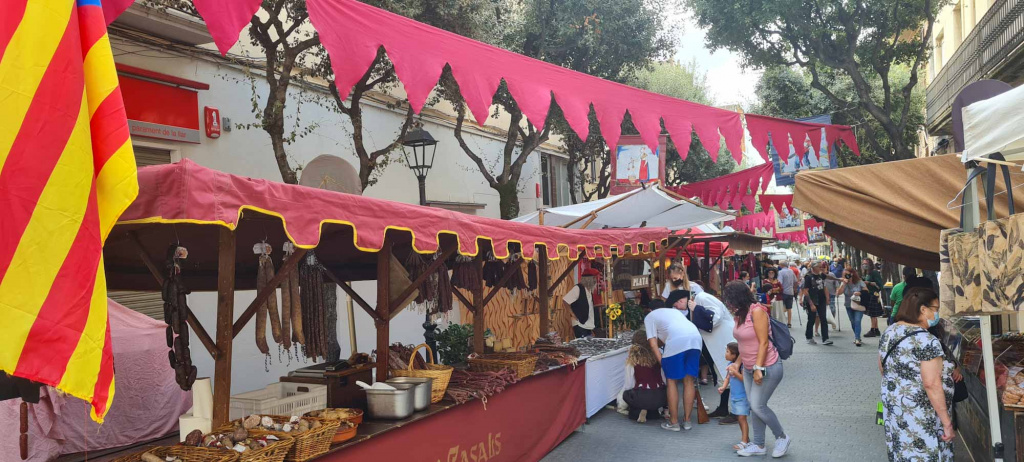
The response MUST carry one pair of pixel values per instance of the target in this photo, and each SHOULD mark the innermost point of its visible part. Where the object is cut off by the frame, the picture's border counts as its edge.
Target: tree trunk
(287, 174)
(509, 200)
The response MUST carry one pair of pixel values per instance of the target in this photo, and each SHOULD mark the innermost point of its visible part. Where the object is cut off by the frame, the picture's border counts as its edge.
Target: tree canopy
(864, 44)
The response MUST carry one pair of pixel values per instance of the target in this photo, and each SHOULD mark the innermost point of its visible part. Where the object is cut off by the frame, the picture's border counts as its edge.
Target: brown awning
(895, 209)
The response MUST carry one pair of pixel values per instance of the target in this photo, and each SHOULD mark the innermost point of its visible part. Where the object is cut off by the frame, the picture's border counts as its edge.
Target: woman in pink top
(762, 370)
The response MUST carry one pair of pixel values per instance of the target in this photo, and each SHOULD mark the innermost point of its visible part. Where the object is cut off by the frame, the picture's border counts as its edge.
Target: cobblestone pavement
(826, 403)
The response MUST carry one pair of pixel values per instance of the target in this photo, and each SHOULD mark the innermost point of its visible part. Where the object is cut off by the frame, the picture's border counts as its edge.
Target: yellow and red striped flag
(67, 171)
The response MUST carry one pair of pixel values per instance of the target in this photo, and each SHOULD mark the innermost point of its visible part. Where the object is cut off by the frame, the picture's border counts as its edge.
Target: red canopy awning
(186, 192)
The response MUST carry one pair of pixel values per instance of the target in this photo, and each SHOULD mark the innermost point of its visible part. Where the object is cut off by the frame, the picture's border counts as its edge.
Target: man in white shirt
(581, 304)
(680, 360)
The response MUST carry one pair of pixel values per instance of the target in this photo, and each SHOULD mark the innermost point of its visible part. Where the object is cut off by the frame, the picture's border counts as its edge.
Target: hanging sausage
(314, 312)
(176, 312)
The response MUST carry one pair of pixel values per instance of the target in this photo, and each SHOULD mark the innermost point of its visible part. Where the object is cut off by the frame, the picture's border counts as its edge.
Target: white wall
(248, 152)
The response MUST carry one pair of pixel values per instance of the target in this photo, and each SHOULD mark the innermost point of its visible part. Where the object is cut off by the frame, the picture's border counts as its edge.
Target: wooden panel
(504, 314)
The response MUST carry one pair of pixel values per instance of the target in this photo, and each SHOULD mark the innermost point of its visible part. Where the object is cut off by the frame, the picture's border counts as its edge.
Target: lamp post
(423, 147)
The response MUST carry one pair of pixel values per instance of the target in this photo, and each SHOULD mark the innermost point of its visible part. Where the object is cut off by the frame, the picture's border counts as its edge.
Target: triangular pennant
(225, 19)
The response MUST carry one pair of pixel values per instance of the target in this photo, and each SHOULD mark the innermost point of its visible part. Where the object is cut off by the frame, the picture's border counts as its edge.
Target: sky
(729, 82)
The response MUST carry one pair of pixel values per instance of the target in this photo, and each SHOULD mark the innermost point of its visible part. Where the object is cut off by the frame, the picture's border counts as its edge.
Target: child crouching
(738, 404)
(644, 388)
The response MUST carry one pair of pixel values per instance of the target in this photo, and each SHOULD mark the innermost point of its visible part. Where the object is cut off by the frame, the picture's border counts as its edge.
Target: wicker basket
(520, 363)
(274, 452)
(440, 374)
(185, 453)
(310, 443)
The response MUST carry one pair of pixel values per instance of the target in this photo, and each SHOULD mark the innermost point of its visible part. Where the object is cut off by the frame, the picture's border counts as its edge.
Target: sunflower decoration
(613, 311)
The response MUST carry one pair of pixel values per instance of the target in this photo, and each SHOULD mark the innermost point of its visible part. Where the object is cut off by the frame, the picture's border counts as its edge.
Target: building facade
(176, 87)
(972, 40)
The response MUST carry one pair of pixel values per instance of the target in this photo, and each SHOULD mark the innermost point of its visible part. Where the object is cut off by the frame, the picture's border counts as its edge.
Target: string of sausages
(314, 312)
(176, 310)
(466, 385)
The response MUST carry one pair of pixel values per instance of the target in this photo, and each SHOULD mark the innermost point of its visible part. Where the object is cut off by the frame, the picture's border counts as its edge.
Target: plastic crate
(285, 399)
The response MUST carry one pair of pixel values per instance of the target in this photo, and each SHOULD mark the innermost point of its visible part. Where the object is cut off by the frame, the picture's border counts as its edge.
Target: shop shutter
(147, 303)
(151, 156)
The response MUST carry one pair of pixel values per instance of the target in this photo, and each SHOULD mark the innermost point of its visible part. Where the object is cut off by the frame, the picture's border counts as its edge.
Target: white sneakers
(687, 425)
(781, 448)
(752, 450)
(670, 426)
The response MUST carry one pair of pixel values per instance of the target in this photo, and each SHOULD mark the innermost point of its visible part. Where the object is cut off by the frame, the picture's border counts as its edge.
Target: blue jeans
(855, 318)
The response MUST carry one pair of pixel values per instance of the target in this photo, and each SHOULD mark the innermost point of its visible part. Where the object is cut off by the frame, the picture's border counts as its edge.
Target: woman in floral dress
(917, 383)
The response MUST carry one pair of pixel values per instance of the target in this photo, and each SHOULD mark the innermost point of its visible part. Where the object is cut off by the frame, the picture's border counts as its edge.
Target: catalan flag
(67, 171)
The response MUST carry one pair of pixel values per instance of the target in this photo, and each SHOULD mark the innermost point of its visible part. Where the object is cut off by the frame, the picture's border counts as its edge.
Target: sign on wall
(161, 111)
(785, 172)
(634, 163)
(788, 220)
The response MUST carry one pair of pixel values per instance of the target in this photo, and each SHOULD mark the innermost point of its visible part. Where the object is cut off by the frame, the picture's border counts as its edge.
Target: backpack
(781, 338)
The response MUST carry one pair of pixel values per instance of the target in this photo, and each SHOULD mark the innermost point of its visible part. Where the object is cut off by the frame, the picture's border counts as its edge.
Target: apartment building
(972, 40)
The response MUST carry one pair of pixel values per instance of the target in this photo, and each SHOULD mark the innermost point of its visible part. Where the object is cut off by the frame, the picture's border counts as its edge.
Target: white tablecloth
(605, 378)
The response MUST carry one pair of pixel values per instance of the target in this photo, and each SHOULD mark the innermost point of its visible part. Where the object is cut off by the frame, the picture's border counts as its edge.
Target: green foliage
(632, 317)
(453, 343)
(873, 48)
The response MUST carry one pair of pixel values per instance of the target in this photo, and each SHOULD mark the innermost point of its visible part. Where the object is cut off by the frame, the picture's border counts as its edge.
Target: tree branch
(460, 119)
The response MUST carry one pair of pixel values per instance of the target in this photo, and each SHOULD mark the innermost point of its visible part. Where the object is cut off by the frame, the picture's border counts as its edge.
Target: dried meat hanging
(531, 271)
(286, 301)
(464, 273)
(444, 287)
(314, 312)
(269, 307)
(176, 312)
(493, 269)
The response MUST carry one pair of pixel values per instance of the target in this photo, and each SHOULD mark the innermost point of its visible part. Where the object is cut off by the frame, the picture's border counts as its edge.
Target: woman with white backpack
(762, 367)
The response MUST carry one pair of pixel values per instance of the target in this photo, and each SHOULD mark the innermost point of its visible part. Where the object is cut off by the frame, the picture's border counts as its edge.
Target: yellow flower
(618, 312)
(612, 316)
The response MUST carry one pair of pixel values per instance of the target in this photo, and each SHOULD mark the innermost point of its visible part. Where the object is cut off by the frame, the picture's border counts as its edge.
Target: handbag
(855, 297)
(703, 318)
(981, 268)
(856, 306)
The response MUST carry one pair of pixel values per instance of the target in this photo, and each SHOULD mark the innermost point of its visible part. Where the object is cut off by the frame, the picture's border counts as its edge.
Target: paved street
(826, 402)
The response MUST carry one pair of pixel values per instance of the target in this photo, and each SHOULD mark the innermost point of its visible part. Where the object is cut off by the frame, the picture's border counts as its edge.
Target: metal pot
(391, 404)
(421, 394)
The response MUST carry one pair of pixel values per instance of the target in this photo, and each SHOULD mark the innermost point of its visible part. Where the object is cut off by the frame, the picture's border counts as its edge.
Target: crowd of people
(736, 337)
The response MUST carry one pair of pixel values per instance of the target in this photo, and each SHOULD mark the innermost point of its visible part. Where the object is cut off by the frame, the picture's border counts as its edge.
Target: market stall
(923, 215)
(216, 217)
(606, 361)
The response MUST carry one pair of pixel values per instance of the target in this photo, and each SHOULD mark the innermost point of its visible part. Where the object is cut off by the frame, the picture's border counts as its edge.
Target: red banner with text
(524, 422)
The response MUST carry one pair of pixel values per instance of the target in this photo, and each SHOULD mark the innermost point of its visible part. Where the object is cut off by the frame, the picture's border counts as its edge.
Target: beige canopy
(895, 209)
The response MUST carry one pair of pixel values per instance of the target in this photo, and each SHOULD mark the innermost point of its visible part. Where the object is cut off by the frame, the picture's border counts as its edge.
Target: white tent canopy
(650, 207)
(993, 125)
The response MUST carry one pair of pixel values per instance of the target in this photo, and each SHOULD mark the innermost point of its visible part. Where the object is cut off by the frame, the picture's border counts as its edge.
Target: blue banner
(785, 174)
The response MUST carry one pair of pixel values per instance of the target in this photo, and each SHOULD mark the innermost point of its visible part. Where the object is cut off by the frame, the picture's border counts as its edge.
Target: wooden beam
(593, 216)
(478, 307)
(153, 269)
(543, 290)
(383, 305)
(393, 308)
(225, 335)
(193, 322)
(463, 300)
(270, 290)
(352, 293)
(565, 274)
(504, 278)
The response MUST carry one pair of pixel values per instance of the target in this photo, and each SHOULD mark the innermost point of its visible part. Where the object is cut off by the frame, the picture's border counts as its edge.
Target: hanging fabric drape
(730, 191)
(776, 201)
(782, 132)
(353, 32)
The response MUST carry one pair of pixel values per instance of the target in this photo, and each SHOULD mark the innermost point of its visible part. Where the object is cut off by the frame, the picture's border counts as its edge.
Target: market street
(825, 402)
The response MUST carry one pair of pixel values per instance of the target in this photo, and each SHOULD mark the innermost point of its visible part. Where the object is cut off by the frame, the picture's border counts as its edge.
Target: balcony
(990, 51)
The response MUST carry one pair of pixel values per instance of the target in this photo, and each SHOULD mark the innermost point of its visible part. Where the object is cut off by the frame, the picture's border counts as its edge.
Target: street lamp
(423, 147)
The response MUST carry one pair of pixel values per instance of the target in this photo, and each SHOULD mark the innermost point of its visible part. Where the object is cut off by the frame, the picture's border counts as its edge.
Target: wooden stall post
(478, 307)
(383, 321)
(608, 291)
(543, 293)
(225, 333)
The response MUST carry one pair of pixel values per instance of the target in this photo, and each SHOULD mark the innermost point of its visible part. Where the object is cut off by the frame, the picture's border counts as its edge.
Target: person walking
(762, 369)
(815, 294)
(680, 360)
(851, 288)
(873, 299)
(738, 405)
(917, 383)
(775, 293)
(789, 283)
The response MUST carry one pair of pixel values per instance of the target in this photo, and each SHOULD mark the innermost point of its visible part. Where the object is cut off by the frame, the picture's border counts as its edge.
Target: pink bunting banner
(776, 201)
(783, 131)
(352, 32)
(732, 190)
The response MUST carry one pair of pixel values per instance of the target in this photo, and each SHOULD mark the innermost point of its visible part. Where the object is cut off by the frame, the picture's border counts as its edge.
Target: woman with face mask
(917, 383)
(677, 280)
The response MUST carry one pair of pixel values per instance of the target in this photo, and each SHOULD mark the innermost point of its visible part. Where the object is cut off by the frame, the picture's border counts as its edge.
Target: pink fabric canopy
(352, 32)
(730, 191)
(186, 192)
